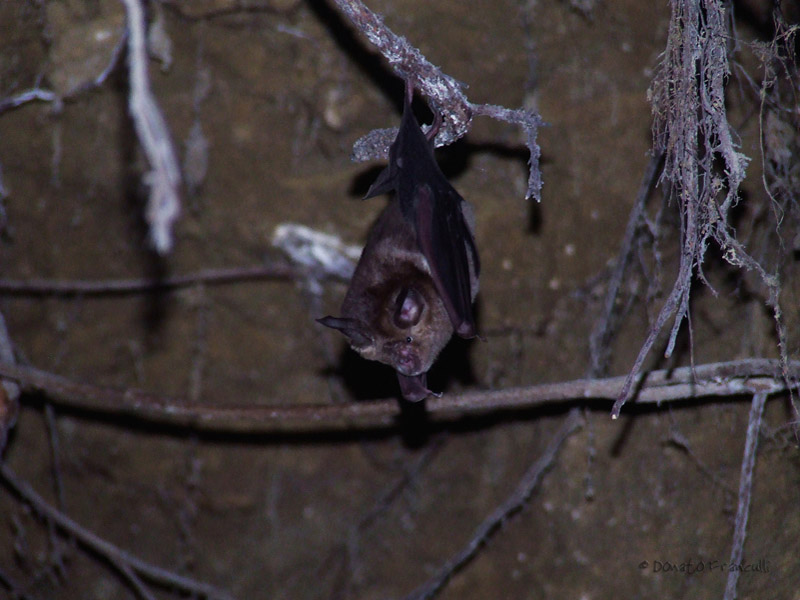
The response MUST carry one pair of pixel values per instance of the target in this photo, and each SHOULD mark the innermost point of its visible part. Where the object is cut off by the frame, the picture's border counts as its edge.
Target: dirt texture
(264, 101)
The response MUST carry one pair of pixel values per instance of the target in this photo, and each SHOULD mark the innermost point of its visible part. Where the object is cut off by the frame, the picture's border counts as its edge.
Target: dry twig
(9, 391)
(32, 95)
(745, 488)
(444, 92)
(110, 287)
(606, 327)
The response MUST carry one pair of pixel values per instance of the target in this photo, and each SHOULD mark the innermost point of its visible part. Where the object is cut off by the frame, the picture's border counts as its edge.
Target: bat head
(408, 329)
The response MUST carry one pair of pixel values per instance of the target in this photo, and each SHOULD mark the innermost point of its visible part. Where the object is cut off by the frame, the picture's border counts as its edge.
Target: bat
(417, 276)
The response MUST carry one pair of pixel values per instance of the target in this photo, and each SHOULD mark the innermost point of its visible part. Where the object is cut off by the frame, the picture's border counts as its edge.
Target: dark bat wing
(445, 239)
(434, 208)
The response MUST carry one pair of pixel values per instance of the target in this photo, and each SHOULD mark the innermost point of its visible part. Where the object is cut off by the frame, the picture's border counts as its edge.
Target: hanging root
(702, 166)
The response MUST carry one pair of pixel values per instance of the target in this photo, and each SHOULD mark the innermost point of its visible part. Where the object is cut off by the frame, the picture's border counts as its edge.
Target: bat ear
(409, 308)
(352, 328)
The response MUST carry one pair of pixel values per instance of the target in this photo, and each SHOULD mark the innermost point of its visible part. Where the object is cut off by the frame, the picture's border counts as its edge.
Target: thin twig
(9, 584)
(235, 7)
(410, 474)
(9, 391)
(200, 345)
(736, 378)
(135, 581)
(110, 287)
(678, 440)
(745, 489)
(677, 298)
(530, 122)
(606, 327)
(56, 550)
(164, 178)
(32, 95)
(384, 501)
(114, 554)
(512, 505)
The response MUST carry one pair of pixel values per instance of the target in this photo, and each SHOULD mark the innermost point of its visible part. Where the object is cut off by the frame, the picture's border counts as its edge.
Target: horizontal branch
(728, 379)
(109, 287)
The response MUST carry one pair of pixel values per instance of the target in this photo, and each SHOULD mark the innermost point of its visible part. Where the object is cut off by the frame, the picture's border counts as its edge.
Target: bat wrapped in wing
(417, 277)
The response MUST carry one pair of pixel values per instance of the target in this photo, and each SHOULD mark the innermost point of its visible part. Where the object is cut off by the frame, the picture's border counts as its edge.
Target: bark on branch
(741, 378)
(443, 92)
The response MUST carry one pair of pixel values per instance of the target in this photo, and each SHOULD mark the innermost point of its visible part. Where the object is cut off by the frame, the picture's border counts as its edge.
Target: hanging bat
(418, 273)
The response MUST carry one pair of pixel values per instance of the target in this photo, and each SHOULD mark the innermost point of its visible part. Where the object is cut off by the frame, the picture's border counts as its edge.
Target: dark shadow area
(369, 62)
(371, 380)
(155, 304)
(413, 424)
(453, 160)
(535, 218)
(758, 16)
(366, 379)
(453, 364)
(762, 17)
(361, 182)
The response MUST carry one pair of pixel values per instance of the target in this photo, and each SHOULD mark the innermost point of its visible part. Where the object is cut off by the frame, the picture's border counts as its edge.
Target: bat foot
(415, 388)
(466, 330)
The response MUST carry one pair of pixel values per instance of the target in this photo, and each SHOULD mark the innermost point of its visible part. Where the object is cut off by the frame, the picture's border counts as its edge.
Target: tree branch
(745, 489)
(729, 379)
(110, 287)
(444, 93)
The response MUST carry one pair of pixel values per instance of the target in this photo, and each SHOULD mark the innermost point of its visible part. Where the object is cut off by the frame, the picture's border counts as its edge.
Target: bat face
(418, 274)
(392, 311)
(408, 328)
